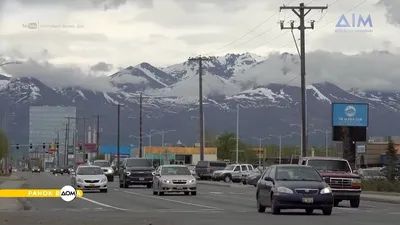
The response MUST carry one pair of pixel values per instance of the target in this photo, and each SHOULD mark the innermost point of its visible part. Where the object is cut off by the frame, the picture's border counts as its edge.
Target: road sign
(360, 149)
(90, 147)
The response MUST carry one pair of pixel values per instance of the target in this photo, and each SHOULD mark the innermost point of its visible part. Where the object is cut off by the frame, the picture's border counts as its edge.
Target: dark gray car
(205, 169)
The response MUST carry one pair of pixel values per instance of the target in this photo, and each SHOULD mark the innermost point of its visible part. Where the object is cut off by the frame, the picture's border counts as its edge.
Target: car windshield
(171, 170)
(102, 164)
(294, 173)
(329, 165)
(138, 163)
(89, 171)
(230, 167)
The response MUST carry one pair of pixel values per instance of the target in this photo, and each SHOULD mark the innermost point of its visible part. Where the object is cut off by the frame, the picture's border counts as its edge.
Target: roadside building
(178, 155)
(46, 123)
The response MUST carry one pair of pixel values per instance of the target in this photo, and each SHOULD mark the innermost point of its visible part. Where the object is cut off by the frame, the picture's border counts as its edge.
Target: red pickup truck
(339, 176)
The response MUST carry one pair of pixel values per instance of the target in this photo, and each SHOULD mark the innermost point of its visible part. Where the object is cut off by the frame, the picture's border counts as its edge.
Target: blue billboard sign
(350, 114)
(123, 150)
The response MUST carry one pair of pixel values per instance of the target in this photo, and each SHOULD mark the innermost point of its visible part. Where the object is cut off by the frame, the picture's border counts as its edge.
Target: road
(212, 205)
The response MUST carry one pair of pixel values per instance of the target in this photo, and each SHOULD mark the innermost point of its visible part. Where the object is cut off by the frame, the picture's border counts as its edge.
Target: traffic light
(30, 146)
(44, 145)
(57, 145)
(49, 146)
(80, 147)
(17, 146)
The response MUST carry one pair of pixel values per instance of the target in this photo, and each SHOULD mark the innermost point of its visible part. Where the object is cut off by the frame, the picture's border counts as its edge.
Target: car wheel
(260, 207)
(160, 193)
(103, 190)
(255, 185)
(309, 211)
(355, 203)
(111, 179)
(194, 193)
(187, 193)
(327, 211)
(244, 182)
(62, 174)
(227, 178)
(274, 209)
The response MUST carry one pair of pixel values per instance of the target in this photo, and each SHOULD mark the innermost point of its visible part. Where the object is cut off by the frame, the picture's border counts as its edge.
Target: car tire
(244, 182)
(355, 203)
(160, 193)
(111, 179)
(155, 192)
(194, 193)
(186, 193)
(274, 209)
(227, 178)
(327, 211)
(149, 185)
(103, 190)
(255, 185)
(309, 211)
(260, 207)
(62, 173)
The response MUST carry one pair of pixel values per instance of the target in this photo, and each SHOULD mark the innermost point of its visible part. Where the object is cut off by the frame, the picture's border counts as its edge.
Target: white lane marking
(102, 204)
(216, 193)
(175, 201)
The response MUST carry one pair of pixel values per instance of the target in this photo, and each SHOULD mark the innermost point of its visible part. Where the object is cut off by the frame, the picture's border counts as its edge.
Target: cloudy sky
(102, 36)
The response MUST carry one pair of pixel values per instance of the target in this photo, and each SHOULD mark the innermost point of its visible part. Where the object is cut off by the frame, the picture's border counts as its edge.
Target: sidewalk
(385, 197)
(11, 182)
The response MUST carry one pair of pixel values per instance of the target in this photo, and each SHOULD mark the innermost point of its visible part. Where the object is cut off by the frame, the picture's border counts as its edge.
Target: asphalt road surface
(212, 205)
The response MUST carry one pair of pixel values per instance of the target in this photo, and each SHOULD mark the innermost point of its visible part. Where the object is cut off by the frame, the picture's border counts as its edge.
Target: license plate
(179, 188)
(308, 200)
(141, 178)
(91, 185)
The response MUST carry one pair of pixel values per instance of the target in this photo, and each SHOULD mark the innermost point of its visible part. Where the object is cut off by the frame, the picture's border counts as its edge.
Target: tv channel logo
(356, 23)
(32, 26)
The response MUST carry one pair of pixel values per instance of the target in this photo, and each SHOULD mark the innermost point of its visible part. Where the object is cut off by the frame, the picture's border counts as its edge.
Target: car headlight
(127, 173)
(285, 190)
(326, 190)
(356, 183)
(111, 171)
(166, 181)
(104, 180)
(192, 181)
(79, 180)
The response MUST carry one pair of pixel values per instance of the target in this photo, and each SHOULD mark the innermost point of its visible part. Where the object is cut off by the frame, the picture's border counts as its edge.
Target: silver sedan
(173, 179)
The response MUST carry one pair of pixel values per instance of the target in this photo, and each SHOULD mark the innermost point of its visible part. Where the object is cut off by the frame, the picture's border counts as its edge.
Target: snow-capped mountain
(171, 101)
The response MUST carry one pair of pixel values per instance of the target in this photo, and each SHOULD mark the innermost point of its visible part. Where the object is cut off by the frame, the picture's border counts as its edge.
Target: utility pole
(118, 133)
(67, 137)
(140, 126)
(237, 133)
(200, 60)
(66, 145)
(58, 148)
(259, 149)
(301, 12)
(98, 131)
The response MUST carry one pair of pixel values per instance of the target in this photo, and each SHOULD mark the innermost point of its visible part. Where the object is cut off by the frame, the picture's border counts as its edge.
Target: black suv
(136, 171)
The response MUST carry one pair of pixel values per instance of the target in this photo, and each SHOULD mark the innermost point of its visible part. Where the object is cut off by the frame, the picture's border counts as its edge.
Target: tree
(226, 146)
(3, 146)
(391, 154)
(210, 138)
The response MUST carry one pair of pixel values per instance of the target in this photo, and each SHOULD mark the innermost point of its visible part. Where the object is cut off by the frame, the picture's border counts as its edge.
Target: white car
(89, 178)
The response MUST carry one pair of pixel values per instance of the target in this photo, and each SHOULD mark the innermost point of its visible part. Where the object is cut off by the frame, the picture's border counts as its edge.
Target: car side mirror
(269, 179)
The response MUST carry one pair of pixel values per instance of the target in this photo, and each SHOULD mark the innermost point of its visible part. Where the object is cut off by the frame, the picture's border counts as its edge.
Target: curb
(377, 199)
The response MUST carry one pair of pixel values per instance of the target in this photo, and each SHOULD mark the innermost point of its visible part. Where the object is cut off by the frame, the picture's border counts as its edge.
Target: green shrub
(381, 185)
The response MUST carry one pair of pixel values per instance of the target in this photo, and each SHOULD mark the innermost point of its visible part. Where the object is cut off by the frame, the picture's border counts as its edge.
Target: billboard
(350, 114)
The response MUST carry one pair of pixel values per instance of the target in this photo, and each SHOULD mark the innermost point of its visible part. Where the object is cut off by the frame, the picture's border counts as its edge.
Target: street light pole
(259, 148)
(326, 132)
(280, 137)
